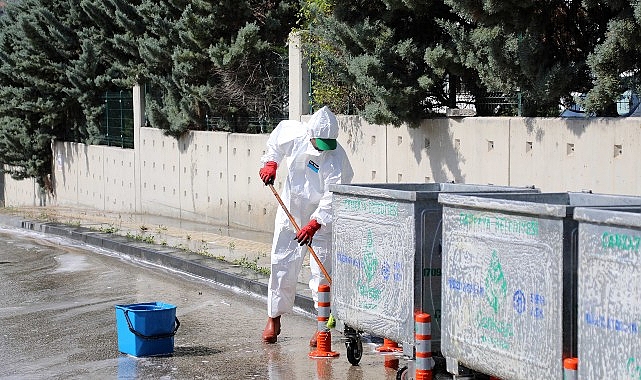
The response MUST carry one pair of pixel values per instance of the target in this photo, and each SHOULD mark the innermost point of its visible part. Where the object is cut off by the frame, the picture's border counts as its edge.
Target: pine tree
(213, 58)
(396, 56)
(537, 47)
(615, 62)
(114, 27)
(377, 49)
(35, 105)
(54, 73)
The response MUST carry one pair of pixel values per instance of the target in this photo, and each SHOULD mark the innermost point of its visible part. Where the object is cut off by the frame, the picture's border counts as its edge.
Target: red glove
(268, 172)
(305, 235)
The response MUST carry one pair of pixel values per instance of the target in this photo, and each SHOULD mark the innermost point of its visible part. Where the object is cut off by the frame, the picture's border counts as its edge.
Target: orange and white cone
(423, 339)
(389, 346)
(324, 338)
(570, 368)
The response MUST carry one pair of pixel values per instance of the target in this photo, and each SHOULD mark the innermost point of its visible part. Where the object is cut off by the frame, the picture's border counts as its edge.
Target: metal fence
(241, 124)
(492, 104)
(117, 127)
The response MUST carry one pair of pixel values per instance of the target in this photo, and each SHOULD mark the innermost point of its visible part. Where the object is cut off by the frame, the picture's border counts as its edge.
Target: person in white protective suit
(314, 161)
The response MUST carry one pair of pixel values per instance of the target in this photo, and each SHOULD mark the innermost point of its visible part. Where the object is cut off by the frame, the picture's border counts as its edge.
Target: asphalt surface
(231, 256)
(57, 312)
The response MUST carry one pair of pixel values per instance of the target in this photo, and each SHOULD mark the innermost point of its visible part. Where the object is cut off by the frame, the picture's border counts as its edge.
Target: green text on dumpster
(370, 206)
(499, 224)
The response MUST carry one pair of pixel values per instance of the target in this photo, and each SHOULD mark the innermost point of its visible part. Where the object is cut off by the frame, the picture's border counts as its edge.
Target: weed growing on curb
(253, 265)
(111, 229)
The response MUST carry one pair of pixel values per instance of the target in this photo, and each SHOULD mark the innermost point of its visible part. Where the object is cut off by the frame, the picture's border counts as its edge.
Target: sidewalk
(229, 256)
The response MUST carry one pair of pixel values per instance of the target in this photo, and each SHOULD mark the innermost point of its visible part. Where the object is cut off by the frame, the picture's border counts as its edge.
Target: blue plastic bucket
(146, 329)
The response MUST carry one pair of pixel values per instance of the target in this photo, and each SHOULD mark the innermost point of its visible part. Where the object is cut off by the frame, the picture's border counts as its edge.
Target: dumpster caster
(354, 346)
(402, 373)
(354, 350)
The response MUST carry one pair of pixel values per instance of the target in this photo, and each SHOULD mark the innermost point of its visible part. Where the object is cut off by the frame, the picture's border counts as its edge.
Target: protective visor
(326, 144)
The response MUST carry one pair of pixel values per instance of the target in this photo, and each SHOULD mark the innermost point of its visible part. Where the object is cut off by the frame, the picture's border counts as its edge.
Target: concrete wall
(93, 176)
(25, 192)
(601, 155)
(213, 176)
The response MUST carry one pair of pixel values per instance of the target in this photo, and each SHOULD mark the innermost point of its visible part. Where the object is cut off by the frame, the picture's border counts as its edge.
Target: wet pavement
(231, 256)
(58, 319)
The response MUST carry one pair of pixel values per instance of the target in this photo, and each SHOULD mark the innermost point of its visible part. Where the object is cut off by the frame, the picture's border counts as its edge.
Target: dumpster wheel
(354, 345)
(402, 373)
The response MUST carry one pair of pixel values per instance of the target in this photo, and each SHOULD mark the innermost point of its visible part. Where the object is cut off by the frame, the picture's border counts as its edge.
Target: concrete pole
(139, 121)
(299, 80)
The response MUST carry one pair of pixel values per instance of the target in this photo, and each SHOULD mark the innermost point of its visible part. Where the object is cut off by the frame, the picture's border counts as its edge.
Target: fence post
(139, 121)
(299, 81)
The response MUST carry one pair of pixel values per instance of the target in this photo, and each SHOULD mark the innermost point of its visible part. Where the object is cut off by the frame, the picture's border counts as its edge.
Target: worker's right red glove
(268, 172)
(305, 234)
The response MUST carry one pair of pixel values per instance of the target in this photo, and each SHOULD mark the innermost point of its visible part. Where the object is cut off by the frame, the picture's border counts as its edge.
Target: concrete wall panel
(483, 148)
(446, 150)
(25, 192)
(251, 204)
(365, 145)
(90, 165)
(65, 172)
(119, 184)
(203, 176)
(576, 154)
(159, 173)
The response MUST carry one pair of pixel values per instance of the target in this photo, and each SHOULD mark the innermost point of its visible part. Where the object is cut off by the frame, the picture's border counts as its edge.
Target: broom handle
(309, 247)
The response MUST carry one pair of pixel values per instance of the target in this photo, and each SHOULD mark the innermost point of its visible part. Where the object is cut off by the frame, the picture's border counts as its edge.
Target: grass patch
(251, 264)
(110, 229)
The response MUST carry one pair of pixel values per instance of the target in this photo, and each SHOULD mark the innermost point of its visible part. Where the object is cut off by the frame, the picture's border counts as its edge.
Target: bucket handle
(159, 336)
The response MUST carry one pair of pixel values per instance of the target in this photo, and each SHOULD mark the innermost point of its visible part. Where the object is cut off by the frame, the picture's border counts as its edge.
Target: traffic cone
(324, 339)
(423, 338)
(389, 346)
(570, 367)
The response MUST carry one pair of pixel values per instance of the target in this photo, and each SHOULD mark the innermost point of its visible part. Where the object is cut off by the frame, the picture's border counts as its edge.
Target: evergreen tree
(539, 47)
(113, 27)
(213, 58)
(396, 56)
(377, 49)
(615, 62)
(35, 104)
(54, 74)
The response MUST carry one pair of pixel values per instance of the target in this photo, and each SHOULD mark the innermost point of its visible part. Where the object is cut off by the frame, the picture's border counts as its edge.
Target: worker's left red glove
(305, 235)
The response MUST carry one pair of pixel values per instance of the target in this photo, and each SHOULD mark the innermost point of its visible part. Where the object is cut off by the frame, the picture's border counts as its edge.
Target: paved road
(58, 321)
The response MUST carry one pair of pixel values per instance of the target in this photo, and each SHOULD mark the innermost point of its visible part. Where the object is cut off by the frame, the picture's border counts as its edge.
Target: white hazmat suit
(306, 195)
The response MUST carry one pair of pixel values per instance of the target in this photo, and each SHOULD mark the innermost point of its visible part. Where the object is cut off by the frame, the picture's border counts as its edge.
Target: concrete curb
(210, 268)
